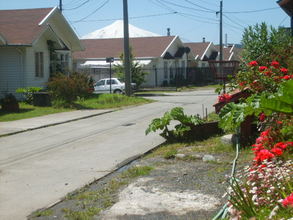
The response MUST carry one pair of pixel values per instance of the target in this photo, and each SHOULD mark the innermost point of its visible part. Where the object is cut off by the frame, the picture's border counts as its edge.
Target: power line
(233, 21)
(207, 20)
(163, 5)
(82, 4)
(82, 19)
(253, 11)
(186, 7)
(208, 3)
(192, 3)
(133, 17)
(197, 20)
(73, 2)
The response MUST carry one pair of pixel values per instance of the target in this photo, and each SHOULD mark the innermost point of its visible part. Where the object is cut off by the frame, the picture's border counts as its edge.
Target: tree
(137, 73)
(265, 44)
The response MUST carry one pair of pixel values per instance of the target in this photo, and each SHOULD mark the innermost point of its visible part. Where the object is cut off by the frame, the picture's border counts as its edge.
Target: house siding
(11, 70)
(31, 79)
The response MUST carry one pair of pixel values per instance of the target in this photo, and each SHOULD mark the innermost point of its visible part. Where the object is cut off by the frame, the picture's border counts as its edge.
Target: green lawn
(105, 101)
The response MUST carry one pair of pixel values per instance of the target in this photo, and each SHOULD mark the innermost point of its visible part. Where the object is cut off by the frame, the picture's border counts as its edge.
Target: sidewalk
(14, 127)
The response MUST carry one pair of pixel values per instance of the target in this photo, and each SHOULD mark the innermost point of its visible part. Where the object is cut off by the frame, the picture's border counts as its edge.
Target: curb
(57, 123)
(151, 94)
(120, 165)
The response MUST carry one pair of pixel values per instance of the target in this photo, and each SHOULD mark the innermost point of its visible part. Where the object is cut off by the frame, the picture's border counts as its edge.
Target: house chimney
(226, 40)
(168, 32)
(203, 39)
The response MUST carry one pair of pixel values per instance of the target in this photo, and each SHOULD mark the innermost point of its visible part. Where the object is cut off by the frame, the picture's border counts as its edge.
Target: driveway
(39, 167)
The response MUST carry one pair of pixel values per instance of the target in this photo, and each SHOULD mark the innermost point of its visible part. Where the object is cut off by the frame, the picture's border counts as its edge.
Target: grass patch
(81, 215)
(29, 111)
(212, 145)
(95, 101)
(137, 171)
(165, 148)
(170, 154)
(105, 101)
(42, 213)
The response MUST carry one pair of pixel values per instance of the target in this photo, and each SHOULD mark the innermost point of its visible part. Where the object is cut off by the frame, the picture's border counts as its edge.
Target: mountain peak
(115, 30)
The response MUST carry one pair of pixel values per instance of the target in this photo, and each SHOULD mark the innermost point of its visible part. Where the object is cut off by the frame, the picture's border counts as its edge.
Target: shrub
(66, 89)
(9, 103)
(28, 93)
(185, 130)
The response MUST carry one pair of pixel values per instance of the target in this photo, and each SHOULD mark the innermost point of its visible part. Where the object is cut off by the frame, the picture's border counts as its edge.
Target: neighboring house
(34, 43)
(230, 53)
(202, 52)
(163, 57)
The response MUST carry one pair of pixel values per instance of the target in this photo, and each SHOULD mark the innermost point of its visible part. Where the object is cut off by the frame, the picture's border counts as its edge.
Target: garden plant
(264, 189)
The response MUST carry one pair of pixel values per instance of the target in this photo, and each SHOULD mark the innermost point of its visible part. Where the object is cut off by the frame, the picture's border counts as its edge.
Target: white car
(103, 86)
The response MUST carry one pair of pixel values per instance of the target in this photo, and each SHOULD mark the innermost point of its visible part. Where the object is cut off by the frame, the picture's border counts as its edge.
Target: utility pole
(126, 50)
(221, 46)
(60, 5)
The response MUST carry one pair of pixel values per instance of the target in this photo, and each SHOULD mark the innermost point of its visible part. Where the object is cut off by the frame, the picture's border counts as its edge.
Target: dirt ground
(184, 186)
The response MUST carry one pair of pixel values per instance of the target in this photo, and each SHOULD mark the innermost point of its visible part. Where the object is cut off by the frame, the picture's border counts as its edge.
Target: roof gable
(26, 26)
(20, 27)
(198, 48)
(141, 47)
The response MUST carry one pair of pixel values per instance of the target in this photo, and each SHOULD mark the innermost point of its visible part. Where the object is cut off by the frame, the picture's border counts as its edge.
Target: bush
(185, 130)
(28, 93)
(66, 89)
(9, 103)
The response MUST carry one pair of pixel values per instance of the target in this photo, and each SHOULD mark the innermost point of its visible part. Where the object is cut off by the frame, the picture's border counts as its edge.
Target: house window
(64, 61)
(183, 67)
(39, 64)
(171, 73)
(165, 70)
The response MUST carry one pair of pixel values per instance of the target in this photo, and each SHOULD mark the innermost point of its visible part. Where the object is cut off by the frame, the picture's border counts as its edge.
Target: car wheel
(117, 91)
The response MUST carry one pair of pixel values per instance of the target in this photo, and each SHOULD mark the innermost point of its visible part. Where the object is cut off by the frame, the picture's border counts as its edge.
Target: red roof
(197, 48)
(21, 27)
(141, 47)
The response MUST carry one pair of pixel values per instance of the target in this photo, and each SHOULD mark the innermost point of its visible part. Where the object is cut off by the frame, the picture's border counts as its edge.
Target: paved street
(39, 167)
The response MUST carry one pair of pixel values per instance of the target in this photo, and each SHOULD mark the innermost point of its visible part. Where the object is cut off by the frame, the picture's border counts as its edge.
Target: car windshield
(100, 83)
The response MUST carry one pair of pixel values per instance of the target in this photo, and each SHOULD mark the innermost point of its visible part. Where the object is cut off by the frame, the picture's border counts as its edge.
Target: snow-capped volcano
(115, 30)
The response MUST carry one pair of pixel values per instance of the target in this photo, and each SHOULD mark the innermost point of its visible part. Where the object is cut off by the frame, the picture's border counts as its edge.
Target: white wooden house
(163, 57)
(33, 44)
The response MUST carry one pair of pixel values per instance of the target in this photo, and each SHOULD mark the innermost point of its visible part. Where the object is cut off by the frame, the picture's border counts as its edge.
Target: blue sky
(190, 19)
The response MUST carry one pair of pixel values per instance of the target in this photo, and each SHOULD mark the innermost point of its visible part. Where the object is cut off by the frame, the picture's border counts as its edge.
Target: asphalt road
(39, 167)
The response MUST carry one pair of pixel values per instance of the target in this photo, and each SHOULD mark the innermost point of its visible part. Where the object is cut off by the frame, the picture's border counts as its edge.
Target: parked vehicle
(118, 87)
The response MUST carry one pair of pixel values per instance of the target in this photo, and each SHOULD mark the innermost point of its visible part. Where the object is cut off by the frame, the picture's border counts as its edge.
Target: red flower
(275, 64)
(281, 145)
(262, 68)
(265, 133)
(284, 70)
(224, 97)
(242, 84)
(262, 117)
(286, 77)
(264, 155)
(277, 151)
(253, 63)
(288, 201)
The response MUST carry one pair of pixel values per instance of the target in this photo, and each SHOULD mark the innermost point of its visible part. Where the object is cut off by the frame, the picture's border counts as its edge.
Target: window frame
(39, 64)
